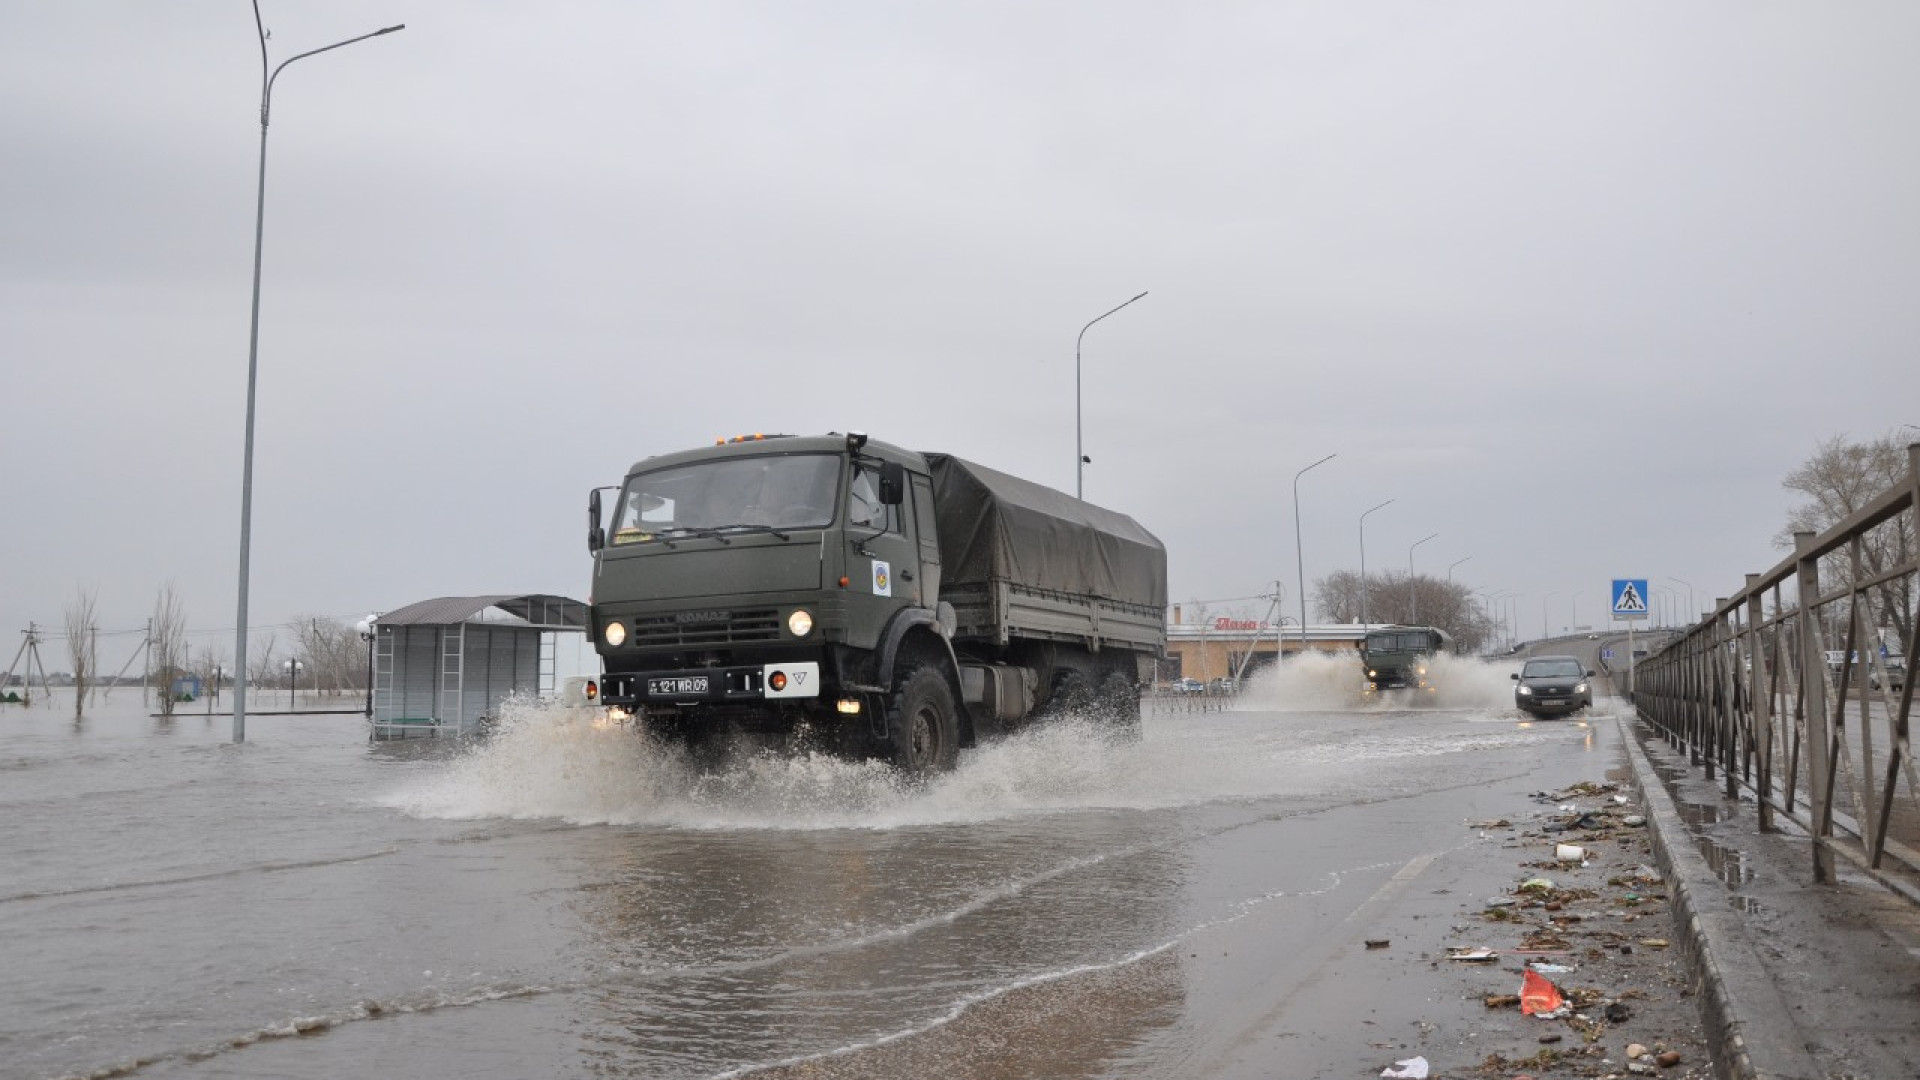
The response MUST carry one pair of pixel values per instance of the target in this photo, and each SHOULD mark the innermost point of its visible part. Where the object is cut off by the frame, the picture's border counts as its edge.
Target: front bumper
(695, 686)
(1549, 705)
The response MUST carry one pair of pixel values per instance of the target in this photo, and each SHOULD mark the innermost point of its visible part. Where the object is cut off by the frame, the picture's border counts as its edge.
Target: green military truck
(894, 603)
(1401, 656)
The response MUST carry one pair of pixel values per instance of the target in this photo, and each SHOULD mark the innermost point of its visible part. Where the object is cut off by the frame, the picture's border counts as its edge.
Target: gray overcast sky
(1575, 284)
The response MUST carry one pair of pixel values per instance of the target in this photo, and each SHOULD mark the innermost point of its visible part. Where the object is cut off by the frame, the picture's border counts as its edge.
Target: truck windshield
(788, 491)
(1398, 643)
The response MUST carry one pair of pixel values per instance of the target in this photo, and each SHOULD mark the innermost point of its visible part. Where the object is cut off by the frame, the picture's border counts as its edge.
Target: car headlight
(1581, 689)
(1372, 674)
(615, 634)
(800, 623)
(1524, 690)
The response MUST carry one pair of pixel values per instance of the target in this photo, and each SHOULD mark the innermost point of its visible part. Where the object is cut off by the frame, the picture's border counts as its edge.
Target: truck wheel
(1072, 696)
(1120, 705)
(923, 724)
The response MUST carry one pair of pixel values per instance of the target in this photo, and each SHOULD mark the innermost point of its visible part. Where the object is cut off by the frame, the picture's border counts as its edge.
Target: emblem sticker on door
(882, 578)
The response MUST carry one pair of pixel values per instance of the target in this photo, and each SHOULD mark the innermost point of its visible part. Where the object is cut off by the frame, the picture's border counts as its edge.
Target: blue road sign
(1629, 598)
(1606, 654)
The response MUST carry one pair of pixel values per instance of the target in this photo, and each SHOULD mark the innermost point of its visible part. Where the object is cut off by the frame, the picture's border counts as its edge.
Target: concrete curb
(1748, 1023)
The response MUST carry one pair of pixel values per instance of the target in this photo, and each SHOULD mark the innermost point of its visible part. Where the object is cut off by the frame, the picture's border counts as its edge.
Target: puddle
(1729, 864)
(1701, 813)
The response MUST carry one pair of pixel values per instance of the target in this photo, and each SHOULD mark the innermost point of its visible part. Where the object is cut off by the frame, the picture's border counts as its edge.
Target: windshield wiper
(772, 529)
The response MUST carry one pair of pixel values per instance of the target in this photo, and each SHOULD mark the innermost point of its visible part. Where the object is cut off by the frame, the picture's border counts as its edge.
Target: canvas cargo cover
(997, 527)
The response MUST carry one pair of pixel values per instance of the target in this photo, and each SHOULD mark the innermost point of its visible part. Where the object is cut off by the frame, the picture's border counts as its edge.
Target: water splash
(551, 762)
(1321, 682)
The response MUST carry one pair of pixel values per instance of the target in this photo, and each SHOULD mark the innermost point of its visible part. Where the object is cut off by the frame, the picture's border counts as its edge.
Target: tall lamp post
(1079, 454)
(1363, 561)
(253, 357)
(1692, 613)
(1545, 632)
(1453, 564)
(1299, 557)
(1413, 587)
(367, 634)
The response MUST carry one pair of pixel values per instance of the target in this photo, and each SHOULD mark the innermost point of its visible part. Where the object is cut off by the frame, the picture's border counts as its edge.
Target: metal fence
(1783, 688)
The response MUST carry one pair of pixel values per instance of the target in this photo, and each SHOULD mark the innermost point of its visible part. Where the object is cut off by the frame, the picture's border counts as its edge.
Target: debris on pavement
(1587, 978)
(1539, 997)
(1411, 1069)
(1378, 943)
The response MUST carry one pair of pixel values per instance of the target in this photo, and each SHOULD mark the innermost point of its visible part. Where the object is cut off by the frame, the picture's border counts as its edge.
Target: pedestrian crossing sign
(1629, 598)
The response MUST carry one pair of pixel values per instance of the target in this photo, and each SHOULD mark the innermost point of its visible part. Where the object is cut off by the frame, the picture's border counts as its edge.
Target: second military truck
(1401, 656)
(895, 603)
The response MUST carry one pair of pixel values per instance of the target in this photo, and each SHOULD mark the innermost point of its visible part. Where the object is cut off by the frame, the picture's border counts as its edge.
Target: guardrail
(1748, 693)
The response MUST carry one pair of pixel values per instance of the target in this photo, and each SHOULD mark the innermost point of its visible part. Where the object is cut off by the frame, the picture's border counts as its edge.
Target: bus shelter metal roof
(538, 610)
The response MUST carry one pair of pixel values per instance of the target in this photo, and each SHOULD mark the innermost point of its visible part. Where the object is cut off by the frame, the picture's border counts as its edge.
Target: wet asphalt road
(568, 900)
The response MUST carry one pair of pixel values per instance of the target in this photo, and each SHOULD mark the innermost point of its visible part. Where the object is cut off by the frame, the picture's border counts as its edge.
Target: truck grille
(666, 631)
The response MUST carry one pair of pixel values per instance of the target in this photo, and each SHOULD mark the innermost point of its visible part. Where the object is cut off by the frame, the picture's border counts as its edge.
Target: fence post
(1758, 696)
(1813, 687)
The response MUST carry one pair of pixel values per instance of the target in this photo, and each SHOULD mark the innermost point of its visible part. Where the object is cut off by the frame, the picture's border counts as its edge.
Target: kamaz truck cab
(1401, 656)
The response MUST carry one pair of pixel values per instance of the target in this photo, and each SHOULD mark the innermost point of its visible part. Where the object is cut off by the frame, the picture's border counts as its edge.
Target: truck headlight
(1524, 690)
(615, 634)
(800, 623)
(1581, 689)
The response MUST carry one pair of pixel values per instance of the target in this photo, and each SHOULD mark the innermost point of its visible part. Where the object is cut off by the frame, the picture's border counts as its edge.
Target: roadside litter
(1540, 998)
(1473, 956)
(1410, 1069)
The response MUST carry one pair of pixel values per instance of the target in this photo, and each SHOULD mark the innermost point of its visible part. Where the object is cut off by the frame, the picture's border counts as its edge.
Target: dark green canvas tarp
(996, 527)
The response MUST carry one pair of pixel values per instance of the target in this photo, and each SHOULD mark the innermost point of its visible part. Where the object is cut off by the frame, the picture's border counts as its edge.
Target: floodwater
(566, 898)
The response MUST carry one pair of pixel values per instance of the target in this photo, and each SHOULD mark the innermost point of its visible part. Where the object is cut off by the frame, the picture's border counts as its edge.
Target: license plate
(692, 684)
(1553, 701)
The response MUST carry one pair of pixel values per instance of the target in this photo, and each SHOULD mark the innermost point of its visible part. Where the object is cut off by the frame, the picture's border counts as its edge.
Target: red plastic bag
(1538, 994)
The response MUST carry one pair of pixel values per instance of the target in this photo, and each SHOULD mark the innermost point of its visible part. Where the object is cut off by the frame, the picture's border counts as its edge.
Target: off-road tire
(1119, 705)
(1072, 696)
(923, 723)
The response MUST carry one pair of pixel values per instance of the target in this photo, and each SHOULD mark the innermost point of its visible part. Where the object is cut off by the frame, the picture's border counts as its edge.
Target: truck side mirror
(596, 534)
(893, 483)
(1516, 676)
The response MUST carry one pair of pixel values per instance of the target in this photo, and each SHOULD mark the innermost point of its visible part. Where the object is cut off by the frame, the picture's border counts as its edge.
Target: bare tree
(331, 652)
(82, 648)
(169, 643)
(264, 672)
(1840, 478)
(1395, 598)
(210, 662)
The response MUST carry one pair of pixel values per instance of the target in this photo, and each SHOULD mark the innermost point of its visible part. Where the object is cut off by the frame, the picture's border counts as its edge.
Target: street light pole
(253, 357)
(1413, 587)
(1691, 613)
(1363, 562)
(1544, 631)
(1079, 454)
(1573, 613)
(1453, 564)
(368, 632)
(1299, 556)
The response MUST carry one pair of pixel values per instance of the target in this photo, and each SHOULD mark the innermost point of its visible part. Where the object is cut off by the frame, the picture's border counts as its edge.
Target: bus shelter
(443, 666)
